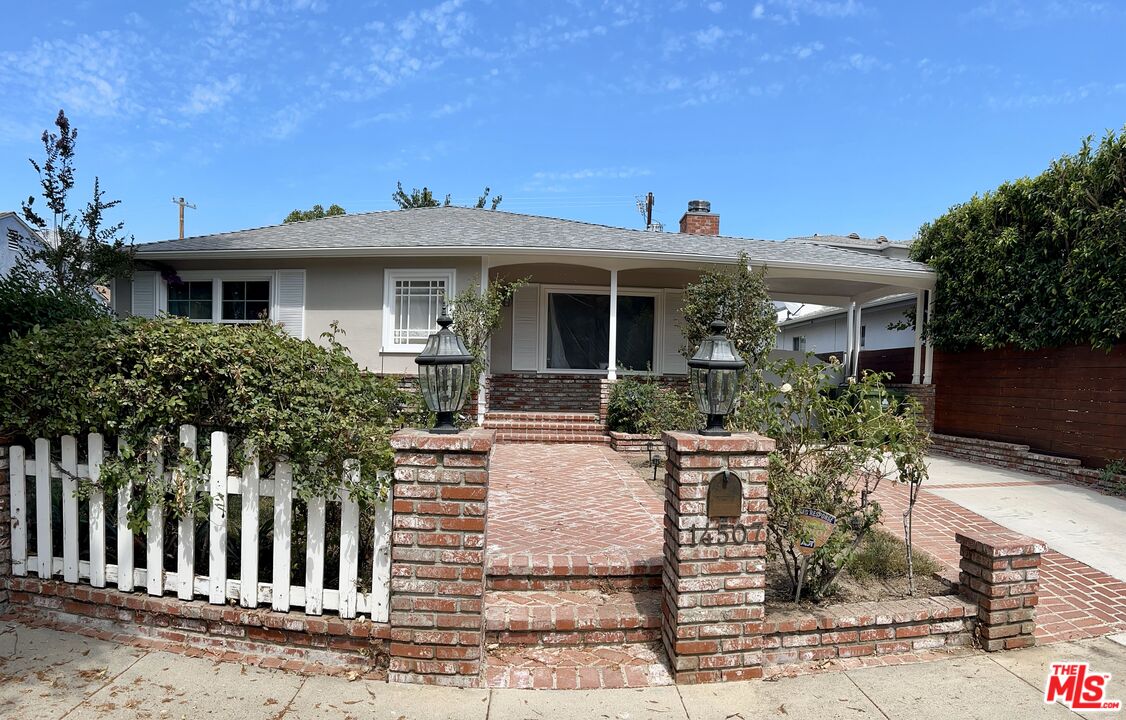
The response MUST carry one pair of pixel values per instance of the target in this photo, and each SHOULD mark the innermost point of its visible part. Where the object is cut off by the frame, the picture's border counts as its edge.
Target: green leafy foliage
(738, 296)
(833, 448)
(1038, 262)
(80, 249)
(477, 316)
(425, 198)
(314, 213)
(642, 405)
(139, 380)
(883, 555)
(26, 304)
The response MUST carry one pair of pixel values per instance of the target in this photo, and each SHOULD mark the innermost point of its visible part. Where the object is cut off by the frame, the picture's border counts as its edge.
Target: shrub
(25, 304)
(642, 405)
(738, 296)
(833, 448)
(883, 555)
(141, 379)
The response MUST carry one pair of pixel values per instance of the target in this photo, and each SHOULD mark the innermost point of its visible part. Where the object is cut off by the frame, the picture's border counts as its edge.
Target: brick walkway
(1076, 600)
(570, 510)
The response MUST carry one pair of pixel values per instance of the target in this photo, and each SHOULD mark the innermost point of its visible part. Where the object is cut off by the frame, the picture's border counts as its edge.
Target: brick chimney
(699, 220)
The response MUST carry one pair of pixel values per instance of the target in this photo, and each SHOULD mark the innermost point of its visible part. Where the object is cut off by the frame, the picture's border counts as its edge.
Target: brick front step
(607, 572)
(549, 428)
(630, 665)
(548, 417)
(586, 618)
(507, 436)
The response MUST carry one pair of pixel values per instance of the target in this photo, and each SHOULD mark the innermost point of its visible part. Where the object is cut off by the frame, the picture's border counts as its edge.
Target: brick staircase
(582, 639)
(546, 427)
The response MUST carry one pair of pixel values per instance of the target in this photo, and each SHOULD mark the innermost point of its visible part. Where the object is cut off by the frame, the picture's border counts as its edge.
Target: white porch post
(928, 376)
(612, 364)
(858, 329)
(917, 357)
(482, 379)
(850, 330)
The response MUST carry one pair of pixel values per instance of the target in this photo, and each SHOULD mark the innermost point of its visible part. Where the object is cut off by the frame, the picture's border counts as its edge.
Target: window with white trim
(799, 343)
(232, 300)
(412, 301)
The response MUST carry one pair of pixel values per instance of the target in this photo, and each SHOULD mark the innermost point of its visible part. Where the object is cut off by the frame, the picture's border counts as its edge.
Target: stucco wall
(828, 334)
(350, 291)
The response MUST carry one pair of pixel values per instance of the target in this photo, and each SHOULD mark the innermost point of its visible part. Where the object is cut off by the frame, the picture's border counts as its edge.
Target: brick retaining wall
(531, 392)
(635, 442)
(862, 629)
(293, 641)
(1020, 457)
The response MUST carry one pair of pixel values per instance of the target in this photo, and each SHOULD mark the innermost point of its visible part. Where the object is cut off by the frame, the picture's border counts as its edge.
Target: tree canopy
(425, 198)
(1038, 262)
(314, 213)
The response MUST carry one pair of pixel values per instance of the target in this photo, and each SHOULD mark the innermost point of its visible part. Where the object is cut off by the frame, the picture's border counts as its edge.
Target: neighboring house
(15, 237)
(601, 301)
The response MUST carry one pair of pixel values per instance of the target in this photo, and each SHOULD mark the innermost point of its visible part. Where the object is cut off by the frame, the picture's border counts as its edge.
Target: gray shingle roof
(458, 228)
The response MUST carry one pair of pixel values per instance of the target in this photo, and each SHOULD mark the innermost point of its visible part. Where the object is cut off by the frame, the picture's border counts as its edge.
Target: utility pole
(183, 204)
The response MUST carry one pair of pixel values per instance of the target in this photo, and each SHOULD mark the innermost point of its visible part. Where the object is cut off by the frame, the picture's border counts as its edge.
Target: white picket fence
(187, 581)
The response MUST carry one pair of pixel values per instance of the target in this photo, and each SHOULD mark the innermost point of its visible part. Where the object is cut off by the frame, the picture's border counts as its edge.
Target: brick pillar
(712, 603)
(438, 556)
(5, 528)
(1001, 574)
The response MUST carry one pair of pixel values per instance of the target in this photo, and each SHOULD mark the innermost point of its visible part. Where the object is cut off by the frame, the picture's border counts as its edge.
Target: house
(601, 301)
(16, 236)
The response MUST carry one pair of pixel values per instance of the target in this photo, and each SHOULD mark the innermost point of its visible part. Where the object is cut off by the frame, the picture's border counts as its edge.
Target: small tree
(80, 249)
(738, 296)
(314, 213)
(477, 316)
(833, 449)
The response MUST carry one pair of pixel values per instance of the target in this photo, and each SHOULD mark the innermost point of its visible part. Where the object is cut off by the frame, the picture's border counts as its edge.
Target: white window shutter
(526, 328)
(291, 302)
(145, 283)
(672, 362)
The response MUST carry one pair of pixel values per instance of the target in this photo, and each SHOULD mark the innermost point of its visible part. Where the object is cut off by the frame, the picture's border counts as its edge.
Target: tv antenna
(645, 207)
(183, 204)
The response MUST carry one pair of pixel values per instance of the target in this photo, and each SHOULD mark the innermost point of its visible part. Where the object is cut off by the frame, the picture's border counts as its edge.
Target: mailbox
(725, 496)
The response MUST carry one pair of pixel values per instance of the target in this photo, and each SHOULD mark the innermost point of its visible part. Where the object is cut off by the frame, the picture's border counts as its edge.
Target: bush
(644, 406)
(26, 304)
(139, 380)
(883, 555)
(833, 448)
(738, 296)
(1038, 262)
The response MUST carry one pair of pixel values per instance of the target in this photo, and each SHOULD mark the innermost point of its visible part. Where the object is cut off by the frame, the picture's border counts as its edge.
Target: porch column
(928, 377)
(612, 363)
(483, 378)
(858, 330)
(917, 357)
(848, 367)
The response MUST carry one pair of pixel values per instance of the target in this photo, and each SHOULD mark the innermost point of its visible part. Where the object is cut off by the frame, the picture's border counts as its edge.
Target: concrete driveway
(1073, 520)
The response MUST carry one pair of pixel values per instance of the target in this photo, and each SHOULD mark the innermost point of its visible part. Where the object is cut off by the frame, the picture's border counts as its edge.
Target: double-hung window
(235, 300)
(411, 304)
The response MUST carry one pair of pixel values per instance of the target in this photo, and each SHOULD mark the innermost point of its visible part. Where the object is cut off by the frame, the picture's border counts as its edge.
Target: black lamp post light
(444, 370)
(714, 375)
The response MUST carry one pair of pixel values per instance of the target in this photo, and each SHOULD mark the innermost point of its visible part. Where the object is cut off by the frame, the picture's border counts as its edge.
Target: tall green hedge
(1038, 262)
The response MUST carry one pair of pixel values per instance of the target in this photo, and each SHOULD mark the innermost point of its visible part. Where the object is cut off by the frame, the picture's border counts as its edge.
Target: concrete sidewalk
(47, 674)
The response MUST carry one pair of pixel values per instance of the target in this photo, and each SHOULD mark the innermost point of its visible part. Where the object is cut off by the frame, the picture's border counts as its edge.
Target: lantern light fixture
(444, 374)
(714, 375)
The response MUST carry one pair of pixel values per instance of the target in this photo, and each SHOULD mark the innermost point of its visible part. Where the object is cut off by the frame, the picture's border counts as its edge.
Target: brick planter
(712, 604)
(861, 629)
(438, 556)
(1001, 574)
(635, 442)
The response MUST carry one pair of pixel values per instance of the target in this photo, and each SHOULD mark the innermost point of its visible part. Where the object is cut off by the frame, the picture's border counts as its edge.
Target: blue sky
(791, 116)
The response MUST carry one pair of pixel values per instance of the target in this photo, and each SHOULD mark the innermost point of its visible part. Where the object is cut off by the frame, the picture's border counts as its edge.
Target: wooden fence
(35, 477)
(1067, 401)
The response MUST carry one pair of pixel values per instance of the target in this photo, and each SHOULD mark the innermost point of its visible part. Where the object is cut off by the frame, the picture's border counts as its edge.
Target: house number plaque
(725, 496)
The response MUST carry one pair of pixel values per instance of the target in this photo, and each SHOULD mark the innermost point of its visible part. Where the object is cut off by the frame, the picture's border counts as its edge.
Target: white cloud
(452, 108)
(715, 7)
(210, 96)
(861, 62)
(759, 11)
(803, 52)
(611, 173)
